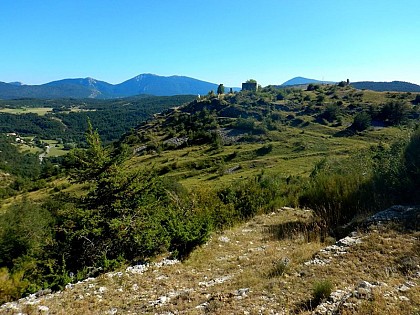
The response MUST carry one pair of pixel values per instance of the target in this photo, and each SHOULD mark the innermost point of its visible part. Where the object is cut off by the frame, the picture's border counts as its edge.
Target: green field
(56, 148)
(26, 110)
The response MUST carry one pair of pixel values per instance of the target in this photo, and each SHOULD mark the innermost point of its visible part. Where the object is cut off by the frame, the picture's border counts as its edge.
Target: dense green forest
(68, 118)
(208, 165)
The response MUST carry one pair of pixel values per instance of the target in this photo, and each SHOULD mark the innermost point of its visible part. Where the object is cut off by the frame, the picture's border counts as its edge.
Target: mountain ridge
(146, 83)
(304, 81)
(394, 86)
(152, 84)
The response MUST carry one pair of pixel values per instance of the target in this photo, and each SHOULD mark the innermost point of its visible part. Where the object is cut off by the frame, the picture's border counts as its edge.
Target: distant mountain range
(151, 84)
(90, 88)
(304, 81)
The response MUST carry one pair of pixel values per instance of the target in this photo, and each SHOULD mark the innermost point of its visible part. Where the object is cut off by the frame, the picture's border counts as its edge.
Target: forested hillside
(67, 119)
(396, 86)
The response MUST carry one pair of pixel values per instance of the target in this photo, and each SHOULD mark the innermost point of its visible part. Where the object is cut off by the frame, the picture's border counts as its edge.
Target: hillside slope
(260, 267)
(396, 86)
(213, 164)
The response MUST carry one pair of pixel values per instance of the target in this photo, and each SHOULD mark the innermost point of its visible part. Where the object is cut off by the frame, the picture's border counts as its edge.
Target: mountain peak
(303, 81)
(16, 83)
(144, 76)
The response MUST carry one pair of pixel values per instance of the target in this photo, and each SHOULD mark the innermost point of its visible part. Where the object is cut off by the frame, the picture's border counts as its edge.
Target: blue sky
(218, 41)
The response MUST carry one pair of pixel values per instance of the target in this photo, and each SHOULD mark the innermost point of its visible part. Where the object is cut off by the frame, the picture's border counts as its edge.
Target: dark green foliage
(31, 124)
(330, 113)
(311, 87)
(338, 190)
(416, 100)
(394, 112)
(245, 123)
(88, 165)
(265, 149)
(220, 89)
(188, 228)
(391, 185)
(25, 234)
(250, 125)
(320, 291)
(113, 118)
(24, 170)
(24, 231)
(13, 162)
(361, 121)
(255, 195)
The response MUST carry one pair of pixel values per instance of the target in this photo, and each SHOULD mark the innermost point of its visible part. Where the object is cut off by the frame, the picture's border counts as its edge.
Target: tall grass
(339, 190)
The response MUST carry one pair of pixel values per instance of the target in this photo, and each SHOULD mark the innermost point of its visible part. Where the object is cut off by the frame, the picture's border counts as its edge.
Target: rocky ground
(257, 268)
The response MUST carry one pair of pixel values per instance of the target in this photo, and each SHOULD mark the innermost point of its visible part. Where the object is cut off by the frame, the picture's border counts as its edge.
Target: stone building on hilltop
(249, 86)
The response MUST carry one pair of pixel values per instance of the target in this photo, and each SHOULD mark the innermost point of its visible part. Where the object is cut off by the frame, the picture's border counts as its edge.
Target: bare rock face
(407, 215)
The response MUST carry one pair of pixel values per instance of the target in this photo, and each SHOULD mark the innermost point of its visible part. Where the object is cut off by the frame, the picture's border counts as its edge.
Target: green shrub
(337, 190)
(25, 229)
(321, 290)
(12, 286)
(361, 121)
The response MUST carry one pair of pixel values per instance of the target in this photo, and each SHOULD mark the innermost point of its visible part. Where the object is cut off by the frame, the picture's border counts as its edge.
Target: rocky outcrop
(407, 215)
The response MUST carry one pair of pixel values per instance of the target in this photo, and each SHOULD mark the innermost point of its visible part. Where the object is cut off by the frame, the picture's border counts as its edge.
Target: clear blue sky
(217, 41)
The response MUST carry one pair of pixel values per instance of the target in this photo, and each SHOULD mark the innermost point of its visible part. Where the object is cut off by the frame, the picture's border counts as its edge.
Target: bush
(394, 112)
(25, 229)
(12, 286)
(330, 113)
(361, 121)
(321, 290)
(337, 190)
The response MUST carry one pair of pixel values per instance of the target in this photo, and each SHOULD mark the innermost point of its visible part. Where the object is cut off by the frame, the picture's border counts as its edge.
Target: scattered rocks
(140, 149)
(112, 311)
(232, 169)
(241, 293)
(224, 239)
(176, 142)
(43, 309)
(349, 298)
(409, 215)
(339, 248)
(137, 269)
(214, 281)
(286, 208)
(162, 300)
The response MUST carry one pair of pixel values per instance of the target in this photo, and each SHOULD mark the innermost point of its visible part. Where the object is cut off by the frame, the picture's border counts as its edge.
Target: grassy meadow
(26, 110)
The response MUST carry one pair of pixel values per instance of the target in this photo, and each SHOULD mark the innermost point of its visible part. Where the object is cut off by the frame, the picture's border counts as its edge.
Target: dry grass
(41, 111)
(232, 274)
